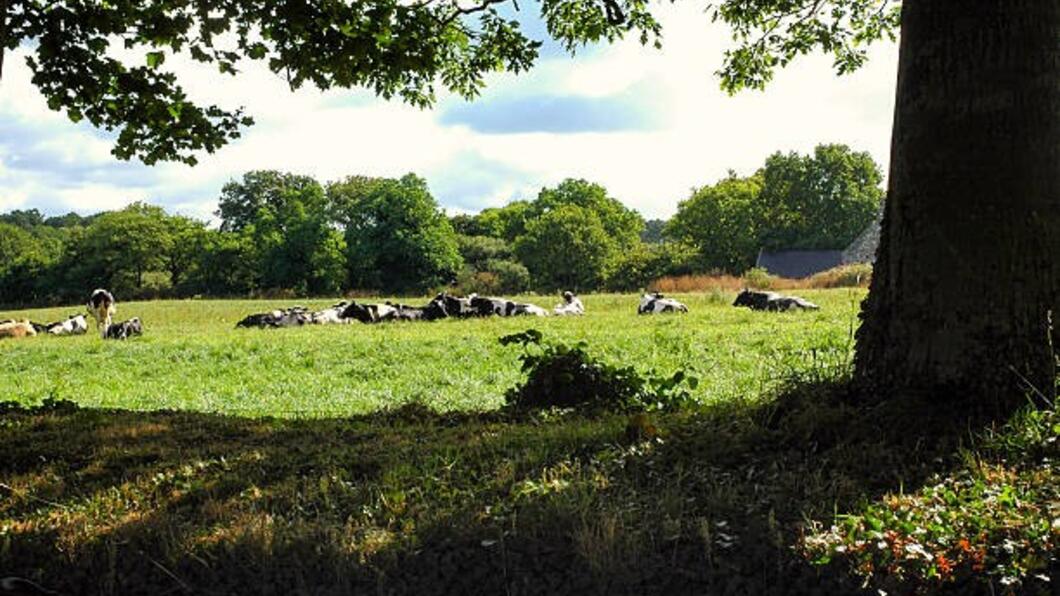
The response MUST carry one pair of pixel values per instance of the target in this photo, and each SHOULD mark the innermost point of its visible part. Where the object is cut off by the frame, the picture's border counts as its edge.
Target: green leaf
(155, 59)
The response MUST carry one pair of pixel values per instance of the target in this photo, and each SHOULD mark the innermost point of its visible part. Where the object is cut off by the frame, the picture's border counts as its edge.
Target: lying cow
(502, 307)
(101, 307)
(73, 325)
(12, 328)
(332, 315)
(291, 317)
(772, 301)
(651, 304)
(125, 329)
(571, 306)
(368, 313)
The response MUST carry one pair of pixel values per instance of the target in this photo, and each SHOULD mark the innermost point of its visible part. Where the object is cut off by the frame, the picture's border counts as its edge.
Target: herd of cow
(101, 307)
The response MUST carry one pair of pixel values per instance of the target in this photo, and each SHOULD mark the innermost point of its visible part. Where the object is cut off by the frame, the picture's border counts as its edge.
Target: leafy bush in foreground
(564, 376)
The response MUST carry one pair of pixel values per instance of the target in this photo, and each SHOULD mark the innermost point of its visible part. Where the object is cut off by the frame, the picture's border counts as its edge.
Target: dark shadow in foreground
(409, 501)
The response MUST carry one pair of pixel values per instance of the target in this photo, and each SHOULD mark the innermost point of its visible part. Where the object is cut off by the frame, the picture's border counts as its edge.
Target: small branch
(459, 12)
(3, 35)
(26, 494)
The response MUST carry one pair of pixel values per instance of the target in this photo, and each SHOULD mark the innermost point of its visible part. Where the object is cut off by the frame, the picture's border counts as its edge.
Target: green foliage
(993, 521)
(566, 376)
(119, 248)
(622, 225)
(397, 238)
(654, 230)
(723, 222)
(821, 201)
(512, 276)
(478, 250)
(566, 248)
(771, 34)
(758, 278)
(290, 219)
(636, 267)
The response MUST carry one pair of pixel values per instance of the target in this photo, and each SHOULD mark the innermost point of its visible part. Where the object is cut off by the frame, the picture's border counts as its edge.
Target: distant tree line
(290, 234)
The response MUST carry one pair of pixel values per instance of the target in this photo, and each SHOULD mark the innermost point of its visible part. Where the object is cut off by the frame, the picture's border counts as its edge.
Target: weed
(566, 376)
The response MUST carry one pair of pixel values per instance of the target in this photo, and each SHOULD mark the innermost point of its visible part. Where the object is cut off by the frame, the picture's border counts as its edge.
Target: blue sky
(647, 124)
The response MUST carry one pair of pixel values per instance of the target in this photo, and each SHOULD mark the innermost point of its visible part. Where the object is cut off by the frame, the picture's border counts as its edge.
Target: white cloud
(699, 134)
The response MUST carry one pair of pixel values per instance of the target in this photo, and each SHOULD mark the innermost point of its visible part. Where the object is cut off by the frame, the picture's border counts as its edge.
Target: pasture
(191, 357)
(201, 459)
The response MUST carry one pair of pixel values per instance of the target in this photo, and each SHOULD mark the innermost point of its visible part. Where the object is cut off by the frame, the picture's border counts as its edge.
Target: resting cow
(101, 307)
(291, 317)
(21, 328)
(651, 304)
(503, 307)
(125, 329)
(772, 301)
(331, 315)
(73, 325)
(571, 306)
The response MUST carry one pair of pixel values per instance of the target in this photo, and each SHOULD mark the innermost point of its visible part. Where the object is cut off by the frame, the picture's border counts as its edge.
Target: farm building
(797, 264)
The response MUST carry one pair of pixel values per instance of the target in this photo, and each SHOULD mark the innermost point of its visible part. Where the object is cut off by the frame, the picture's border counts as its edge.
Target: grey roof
(863, 248)
(796, 264)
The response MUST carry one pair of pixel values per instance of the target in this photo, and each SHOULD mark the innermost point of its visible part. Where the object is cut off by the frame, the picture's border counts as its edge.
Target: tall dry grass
(846, 276)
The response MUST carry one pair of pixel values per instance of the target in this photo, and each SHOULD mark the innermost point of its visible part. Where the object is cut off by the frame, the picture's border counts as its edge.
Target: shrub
(564, 376)
(512, 277)
(845, 276)
(758, 278)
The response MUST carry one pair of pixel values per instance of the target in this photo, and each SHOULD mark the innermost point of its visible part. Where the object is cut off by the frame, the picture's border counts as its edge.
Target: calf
(101, 307)
(125, 329)
(17, 329)
(651, 304)
(73, 325)
(772, 301)
(571, 306)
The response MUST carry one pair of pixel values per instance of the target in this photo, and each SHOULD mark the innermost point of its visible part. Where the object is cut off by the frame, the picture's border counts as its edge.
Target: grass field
(201, 459)
(191, 357)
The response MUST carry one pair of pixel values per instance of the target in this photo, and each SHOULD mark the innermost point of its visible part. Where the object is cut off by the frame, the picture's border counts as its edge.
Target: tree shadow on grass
(409, 501)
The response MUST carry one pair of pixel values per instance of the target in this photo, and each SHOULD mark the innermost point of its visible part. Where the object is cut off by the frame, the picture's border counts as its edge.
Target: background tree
(819, 202)
(119, 248)
(566, 248)
(290, 218)
(623, 225)
(723, 222)
(398, 240)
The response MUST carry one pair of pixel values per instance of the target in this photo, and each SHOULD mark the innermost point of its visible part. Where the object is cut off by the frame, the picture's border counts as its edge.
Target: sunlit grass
(192, 358)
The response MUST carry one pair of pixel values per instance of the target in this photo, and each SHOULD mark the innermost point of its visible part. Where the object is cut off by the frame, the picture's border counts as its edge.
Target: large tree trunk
(967, 275)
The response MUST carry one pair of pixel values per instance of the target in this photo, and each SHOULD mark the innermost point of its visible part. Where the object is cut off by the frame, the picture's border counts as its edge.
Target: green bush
(758, 278)
(564, 376)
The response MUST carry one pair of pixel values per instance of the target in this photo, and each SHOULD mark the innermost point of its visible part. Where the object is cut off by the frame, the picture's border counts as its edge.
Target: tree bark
(966, 287)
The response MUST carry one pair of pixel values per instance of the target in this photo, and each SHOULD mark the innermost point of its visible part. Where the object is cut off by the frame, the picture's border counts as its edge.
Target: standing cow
(101, 307)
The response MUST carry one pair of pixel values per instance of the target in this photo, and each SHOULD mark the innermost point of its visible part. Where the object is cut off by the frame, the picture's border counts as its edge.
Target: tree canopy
(106, 62)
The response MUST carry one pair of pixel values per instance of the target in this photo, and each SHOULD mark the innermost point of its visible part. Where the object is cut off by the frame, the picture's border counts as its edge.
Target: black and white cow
(73, 325)
(125, 329)
(292, 317)
(571, 305)
(772, 301)
(331, 315)
(651, 304)
(101, 307)
(502, 307)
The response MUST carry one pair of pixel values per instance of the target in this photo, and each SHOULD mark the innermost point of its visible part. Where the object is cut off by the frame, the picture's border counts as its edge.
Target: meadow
(192, 358)
(202, 459)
